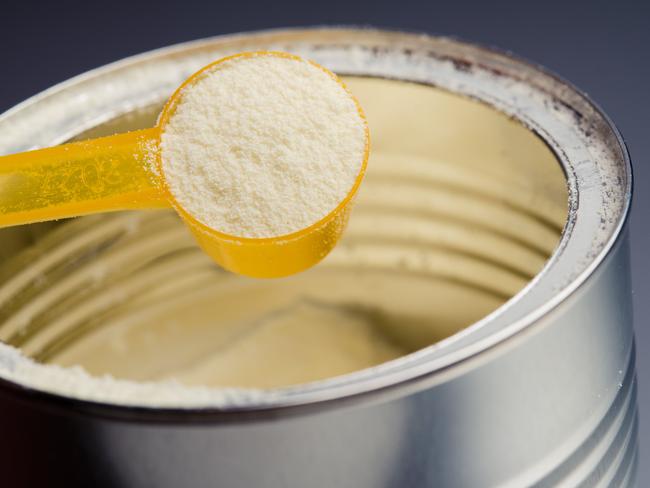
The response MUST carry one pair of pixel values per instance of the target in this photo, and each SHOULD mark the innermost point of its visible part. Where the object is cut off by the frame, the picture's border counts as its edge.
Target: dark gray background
(601, 46)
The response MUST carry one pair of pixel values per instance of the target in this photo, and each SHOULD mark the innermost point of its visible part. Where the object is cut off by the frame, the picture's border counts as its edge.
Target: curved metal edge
(379, 390)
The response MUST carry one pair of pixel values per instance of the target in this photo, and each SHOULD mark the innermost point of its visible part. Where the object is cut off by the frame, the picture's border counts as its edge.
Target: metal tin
(540, 392)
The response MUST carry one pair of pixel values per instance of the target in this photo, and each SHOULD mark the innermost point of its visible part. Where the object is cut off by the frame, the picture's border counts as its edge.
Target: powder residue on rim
(75, 382)
(263, 146)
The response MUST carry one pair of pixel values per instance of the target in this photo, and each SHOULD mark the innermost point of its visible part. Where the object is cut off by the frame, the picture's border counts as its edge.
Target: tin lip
(358, 388)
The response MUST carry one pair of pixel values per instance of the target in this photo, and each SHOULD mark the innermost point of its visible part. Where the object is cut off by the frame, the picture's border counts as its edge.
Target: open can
(489, 242)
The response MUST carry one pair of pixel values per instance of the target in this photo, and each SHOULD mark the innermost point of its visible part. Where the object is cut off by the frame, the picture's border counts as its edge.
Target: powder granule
(263, 146)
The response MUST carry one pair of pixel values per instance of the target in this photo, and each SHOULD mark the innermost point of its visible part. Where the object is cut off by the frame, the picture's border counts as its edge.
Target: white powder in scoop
(263, 146)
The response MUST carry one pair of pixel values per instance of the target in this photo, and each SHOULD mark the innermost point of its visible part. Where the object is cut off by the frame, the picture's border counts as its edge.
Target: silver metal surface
(540, 392)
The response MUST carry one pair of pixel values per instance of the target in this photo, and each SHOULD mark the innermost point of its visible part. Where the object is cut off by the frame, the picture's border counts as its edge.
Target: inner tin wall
(460, 209)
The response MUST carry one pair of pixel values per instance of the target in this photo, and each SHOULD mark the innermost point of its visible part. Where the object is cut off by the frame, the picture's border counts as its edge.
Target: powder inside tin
(263, 146)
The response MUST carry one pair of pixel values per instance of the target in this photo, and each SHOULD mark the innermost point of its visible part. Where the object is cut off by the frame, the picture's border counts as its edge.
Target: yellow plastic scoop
(124, 171)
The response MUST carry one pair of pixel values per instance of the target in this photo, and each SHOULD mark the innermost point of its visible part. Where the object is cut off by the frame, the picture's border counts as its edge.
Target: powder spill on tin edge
(263, 146)
(77, 383)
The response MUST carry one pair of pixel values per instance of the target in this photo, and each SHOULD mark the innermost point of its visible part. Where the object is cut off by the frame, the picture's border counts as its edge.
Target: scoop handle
(98, 175)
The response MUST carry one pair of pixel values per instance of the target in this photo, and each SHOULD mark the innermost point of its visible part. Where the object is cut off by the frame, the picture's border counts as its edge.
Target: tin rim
(418, 370)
